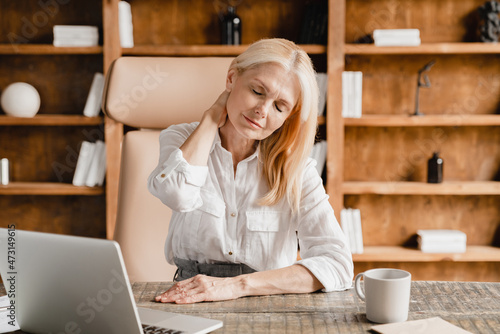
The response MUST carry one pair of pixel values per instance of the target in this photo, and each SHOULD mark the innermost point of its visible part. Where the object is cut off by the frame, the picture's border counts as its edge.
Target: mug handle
(357, 286)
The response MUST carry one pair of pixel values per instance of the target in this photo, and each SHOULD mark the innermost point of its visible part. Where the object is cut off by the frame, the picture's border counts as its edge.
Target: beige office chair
(150, 94)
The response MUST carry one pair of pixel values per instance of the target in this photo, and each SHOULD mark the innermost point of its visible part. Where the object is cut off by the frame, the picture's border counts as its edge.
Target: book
(94, 98)
(350, 222)
(396, 37)
(125, 24)
(322, 80)
(352, 94)
(83, 163)
(75, 35)
(318, 153)
(94, 170)
(441, 241)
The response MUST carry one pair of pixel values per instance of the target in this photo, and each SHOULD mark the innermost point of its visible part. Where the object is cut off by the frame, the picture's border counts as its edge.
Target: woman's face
(261, 99)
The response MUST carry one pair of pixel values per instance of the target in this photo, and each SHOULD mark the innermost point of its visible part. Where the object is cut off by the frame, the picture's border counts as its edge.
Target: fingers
(188, 291)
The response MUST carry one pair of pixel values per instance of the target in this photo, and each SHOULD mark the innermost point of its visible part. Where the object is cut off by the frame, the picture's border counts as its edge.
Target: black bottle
(435, 169)
(231, 27)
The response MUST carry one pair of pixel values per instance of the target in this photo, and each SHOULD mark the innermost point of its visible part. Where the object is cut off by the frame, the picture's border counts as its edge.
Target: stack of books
(441, 241)
(91, 164)
(352, 93)
(396, 37)
(350, 221)
(94, 99)
(84, 36)
(125, 24)
(322, 80)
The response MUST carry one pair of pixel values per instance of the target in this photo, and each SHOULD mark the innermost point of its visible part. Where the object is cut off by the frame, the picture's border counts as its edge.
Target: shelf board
(420, 188)
(202, 50)
(50, 120)
(48, 188)
(47, 49)
(403, 254)
(425, 48)
(426, 120)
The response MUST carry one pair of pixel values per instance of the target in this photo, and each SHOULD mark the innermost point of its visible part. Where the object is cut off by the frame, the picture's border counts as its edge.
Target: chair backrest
(150, 94)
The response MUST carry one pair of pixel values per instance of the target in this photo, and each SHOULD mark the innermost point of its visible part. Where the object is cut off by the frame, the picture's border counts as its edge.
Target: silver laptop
(68, 284)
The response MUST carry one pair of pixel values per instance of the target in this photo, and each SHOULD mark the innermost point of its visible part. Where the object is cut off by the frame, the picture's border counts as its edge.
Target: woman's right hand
(217, 113)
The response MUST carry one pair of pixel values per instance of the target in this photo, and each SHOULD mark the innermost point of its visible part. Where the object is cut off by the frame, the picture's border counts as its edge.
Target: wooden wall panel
(460, 84)
(32, 21)
(440, 271)
(72, 215)
(401, 154)
(197, 21)
(394, 220)
(438, 21)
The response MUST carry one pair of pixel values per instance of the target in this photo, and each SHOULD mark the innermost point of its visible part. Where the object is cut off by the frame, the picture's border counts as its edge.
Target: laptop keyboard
(149, 329)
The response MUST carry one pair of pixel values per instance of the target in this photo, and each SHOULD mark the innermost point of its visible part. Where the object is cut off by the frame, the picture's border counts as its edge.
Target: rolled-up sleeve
(174, 181)
(323, 245)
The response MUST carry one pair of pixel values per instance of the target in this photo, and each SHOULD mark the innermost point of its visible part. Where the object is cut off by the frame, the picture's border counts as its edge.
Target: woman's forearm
(293, 279)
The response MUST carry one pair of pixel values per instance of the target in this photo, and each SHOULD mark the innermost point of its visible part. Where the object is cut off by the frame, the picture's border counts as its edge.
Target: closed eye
(256, 92)
(277, 108)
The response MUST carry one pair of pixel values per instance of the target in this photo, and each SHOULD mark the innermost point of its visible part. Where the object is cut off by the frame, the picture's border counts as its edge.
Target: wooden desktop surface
(472, 306)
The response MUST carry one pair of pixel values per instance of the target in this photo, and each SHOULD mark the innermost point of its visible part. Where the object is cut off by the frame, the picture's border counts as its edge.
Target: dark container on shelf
(231, 28)
(435, 169)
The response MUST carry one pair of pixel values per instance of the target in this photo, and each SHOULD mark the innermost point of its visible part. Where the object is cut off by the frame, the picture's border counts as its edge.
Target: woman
(243, 191)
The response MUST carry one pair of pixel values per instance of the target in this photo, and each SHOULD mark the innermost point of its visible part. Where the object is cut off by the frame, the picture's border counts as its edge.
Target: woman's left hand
(202, 288)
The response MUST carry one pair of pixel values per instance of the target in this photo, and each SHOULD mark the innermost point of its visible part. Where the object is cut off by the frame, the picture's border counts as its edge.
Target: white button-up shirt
(216, 218)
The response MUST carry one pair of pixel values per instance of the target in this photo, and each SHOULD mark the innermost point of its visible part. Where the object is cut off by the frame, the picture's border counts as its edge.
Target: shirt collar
(217, 142)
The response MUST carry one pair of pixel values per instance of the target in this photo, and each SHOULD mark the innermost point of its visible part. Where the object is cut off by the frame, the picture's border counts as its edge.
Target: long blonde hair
(284, 153)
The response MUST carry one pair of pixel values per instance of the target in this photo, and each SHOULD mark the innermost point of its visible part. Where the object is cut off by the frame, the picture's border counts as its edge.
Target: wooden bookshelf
(51, 120)
(423, 49)
(47, 49)
(378, 163)
(48, 189)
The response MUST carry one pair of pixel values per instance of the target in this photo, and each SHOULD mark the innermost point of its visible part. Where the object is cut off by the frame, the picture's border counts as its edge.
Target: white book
(322, 80)
(358, 232)
(343, 224)
(93, 173)
(61, 28)
(357, 94)
(125, 24)
(94, 98)
(345, 93)
(442, 235)
(408, 33)
(77, 43)
(444, 248)
(318, 153)
(102, 167)
(402, 41)
(83, 163)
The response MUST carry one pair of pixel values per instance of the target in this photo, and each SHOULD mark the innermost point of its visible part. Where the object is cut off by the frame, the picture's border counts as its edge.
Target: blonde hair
(284, 153)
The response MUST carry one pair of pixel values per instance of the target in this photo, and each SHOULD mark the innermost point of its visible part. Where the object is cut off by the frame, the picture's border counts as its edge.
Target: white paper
(423, 326)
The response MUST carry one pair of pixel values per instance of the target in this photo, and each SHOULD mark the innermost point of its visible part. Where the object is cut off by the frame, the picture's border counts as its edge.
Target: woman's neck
(240, 147)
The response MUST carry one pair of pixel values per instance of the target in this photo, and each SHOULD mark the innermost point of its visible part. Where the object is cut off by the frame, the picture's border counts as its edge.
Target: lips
(252, 123)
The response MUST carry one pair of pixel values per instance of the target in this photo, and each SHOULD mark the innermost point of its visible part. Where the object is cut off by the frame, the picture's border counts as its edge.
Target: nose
(262, 109)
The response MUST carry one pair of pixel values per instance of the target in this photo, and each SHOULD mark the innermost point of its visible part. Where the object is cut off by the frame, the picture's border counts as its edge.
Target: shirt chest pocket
(202, 224)
(262, 236)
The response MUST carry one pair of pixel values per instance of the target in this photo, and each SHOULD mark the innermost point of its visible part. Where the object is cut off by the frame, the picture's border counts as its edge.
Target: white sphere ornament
(20, 99)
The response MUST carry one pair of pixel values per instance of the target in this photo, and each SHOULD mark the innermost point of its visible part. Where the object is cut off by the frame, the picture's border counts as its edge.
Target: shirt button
(162, 175)
(233, 214)
(230, 253)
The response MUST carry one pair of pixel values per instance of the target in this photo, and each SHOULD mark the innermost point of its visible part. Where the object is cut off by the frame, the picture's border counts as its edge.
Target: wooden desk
(472, 306)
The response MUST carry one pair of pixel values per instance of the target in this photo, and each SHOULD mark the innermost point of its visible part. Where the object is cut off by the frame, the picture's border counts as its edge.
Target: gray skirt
(187, 269)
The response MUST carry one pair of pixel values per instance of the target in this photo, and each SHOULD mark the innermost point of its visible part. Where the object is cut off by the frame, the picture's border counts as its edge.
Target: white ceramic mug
(386, 294)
